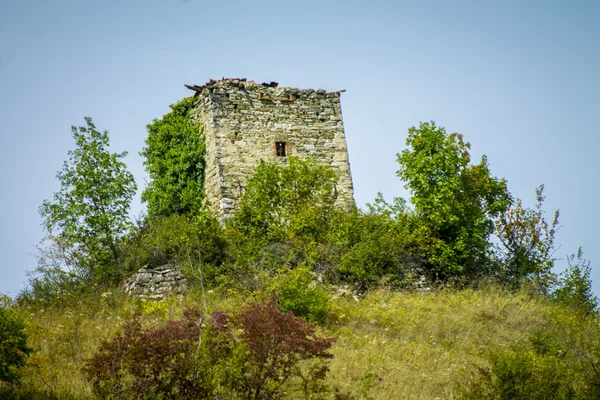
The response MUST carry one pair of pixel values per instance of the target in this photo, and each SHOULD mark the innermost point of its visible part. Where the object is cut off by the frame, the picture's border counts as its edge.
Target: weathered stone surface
(243, 120)
(156, 282)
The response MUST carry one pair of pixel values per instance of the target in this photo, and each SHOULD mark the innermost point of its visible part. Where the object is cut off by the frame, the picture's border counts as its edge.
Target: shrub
(526, 245)
(559, 361)
(13, 344)
(523, 375)
(187, 241)
(252, 356)
(374, 247)
(575, 286)
(298, 292)
(276, 343)
(147, 363)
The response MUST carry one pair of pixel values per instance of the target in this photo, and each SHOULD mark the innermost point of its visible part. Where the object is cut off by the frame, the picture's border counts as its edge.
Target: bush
(575, 286)
(152, 362)
(276, 343)
(285, 203)
(523, 375)
(187, 241)
(558, 362)
(252, 355)
(298, 292)
(13, 345)
(374, 248)
(526, 245)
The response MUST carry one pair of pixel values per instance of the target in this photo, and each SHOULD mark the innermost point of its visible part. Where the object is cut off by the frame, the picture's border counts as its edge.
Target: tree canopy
(89, 213)
(455, 200)
(283, 202)
(174, 155)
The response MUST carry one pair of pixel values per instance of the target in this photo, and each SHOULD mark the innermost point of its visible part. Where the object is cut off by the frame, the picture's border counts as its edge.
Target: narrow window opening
(280, 149)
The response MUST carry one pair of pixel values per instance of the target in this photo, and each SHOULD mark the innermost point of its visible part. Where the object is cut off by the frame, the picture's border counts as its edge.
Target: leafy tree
(89, 213)
(174, 155)
(13, 344)
(455, 200)
(575, 286)
(526, 243)
(374, 247)
(286, 202)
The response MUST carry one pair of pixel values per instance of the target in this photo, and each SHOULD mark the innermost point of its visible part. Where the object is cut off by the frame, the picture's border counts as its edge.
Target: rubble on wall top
(242, 83)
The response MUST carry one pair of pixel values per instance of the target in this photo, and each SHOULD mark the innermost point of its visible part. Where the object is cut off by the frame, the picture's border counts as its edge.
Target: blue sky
(520, 79)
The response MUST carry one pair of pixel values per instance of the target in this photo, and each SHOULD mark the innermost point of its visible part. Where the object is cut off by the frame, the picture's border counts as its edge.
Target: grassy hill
(388, 345)
(265, 316)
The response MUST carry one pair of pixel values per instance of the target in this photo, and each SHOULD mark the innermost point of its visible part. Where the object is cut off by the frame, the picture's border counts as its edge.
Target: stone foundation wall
(156, 282)
(243, 121)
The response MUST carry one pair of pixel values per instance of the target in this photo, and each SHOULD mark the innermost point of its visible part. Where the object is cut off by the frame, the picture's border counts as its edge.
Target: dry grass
(65, 337)
(389, 345)
(407, 346)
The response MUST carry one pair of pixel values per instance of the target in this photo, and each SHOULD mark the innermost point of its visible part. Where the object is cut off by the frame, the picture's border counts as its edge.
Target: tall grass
(408, 346)
(389, 345)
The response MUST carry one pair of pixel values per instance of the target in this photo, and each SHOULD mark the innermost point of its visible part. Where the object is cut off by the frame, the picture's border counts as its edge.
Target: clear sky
(520, 79)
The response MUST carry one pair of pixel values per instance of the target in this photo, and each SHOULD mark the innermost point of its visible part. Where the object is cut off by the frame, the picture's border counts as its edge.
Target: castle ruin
(245, 122)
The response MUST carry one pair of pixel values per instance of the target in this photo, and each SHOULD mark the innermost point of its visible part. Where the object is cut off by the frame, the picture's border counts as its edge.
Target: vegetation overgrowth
(293, 297)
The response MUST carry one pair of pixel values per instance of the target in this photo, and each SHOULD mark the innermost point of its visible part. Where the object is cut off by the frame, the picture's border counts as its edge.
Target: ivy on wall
(174, 155)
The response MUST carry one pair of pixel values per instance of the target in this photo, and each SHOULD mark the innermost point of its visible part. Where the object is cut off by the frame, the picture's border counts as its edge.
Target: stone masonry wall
(156, 283)
(243, 120)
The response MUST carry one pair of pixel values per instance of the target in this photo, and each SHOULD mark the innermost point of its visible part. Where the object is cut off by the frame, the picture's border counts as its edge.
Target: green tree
(575, 285)
(526, 241)
(89, 214)
(13, 344)
(286, 202)
(174, 155)
(455, 200)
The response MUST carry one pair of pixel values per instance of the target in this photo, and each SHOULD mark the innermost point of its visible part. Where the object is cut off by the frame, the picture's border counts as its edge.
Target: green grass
(389, 345)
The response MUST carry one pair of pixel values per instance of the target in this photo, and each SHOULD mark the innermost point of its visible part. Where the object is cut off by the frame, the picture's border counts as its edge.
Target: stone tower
(245, 122)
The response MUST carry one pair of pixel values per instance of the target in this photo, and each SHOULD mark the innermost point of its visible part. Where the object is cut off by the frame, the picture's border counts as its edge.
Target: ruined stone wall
(242, 123)
(156, 283)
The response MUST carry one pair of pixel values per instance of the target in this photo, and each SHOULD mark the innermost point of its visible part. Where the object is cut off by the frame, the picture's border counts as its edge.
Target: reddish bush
(203, 358)
(276, 342)
(141, 363)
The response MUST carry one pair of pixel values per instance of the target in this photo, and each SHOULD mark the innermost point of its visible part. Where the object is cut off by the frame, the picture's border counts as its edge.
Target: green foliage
(174, 155)
(455, 200)
(89, 214)
(374, 246)
(523, 375)
(527, 244)
(298, 292)
(185, 240)
(283, 203)
(13, 344)
(559, 361)
(575, 286)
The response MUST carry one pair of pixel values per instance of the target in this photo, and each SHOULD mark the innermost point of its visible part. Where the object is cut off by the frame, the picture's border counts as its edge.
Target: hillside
(388, 345)
(451, 294)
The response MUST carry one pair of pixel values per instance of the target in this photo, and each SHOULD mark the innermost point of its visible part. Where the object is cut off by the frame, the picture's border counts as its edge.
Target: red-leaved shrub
(249, 356)
(276, 342)
(142, 363)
